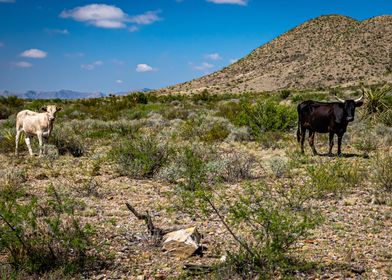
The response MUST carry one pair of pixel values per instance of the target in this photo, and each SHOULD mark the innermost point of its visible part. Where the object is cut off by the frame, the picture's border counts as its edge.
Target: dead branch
(154, 231)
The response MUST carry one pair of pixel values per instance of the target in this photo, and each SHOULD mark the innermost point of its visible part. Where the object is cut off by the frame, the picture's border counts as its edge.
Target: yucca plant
(375, 102)
(7, 140)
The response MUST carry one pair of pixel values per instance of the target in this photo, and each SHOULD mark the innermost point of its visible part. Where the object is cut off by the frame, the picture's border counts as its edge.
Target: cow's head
(349, 107)
(51, 111)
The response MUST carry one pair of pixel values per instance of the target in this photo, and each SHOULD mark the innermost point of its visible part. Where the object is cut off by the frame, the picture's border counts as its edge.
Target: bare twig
(154, 231)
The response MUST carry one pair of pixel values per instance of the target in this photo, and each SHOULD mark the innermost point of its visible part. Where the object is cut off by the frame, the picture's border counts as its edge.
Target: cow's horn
(341, 100)
(359, 99)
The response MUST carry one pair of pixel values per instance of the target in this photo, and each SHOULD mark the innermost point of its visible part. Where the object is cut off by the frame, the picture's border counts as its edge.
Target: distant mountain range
(327, 51)
(63, 94)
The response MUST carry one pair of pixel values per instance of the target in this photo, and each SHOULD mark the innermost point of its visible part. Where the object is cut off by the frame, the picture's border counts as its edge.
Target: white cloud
(234, 2)
(213, 56)
(7, 1)
(91, 66)
(233, 60)
(119, 81)
(57, 31)
(144, 68)
(146, 18)
(204, 66)
(100, 15)
(34, 53)
(108, 16)
(22, 64)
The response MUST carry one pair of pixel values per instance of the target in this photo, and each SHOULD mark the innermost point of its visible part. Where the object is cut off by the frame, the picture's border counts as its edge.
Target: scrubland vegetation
(228, 163)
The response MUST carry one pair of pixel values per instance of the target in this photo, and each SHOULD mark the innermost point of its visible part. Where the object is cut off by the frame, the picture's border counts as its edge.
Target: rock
(182, 243)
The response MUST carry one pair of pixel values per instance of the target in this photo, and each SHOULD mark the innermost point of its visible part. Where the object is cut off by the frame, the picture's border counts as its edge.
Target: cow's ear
(358, 103)
(44, 109)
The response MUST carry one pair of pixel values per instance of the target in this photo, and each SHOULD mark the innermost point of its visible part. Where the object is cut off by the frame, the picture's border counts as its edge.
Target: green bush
(284, 93)
(41, 235)
(269, 116)
(375, 98)
(67, 143)
(141, 157)
(263, 223)
(7, 141)
(273, 224)
(383, 171)
(231, 111)
(333, 177)
(386, 117)
(205, 128)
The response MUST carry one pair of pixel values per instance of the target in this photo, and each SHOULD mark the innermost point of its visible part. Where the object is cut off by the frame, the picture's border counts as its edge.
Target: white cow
(33, 123)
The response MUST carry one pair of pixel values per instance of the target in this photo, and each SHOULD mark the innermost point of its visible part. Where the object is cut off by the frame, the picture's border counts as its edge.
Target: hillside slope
(323, 52)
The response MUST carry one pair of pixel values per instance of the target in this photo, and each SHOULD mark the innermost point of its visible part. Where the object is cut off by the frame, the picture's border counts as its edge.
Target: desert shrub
(333, 177)
(239, 134)
(40, 235)
(383, 171)
(274, 224)
(205, 128)
(302, 96)
(217, 132)
(375, 98)
(366, 141)
(284, 94)
(386, 117)
(230, 110)
(67, 142)
(279, 166)
(176, 113)
(203, 96)
(5, 111)
(141, 157)
(7, 141)
(11, 101)
(263, 224)
(271, 139)
(140, 97)
(269, 116)
(190, 163)
(231, 167)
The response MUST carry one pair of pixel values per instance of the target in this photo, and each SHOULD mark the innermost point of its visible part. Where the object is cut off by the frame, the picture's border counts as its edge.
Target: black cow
(323, 117)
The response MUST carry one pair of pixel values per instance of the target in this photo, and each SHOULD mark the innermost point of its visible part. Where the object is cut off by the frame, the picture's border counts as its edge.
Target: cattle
(33, 123)
(325, 117)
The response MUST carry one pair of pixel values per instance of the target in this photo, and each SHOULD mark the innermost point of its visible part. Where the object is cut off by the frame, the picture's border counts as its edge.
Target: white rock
(182, 243)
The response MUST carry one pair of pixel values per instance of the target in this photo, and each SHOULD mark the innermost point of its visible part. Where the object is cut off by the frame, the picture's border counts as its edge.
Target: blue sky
(114, 46)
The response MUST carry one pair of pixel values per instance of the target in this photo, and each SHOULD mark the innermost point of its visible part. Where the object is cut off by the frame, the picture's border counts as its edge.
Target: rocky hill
(323, 52)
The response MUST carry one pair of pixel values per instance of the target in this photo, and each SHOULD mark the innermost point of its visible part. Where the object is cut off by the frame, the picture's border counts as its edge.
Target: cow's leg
(303, 132)
(17, 137)
(27, 140)
(311, 141)
(331, 134)
(340, 136)
(40, 141)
